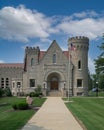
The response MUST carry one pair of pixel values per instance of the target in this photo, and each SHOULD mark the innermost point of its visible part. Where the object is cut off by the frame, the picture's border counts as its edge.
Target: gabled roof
(54, 43)
(66, 53)
(11, 65)
(42, 53)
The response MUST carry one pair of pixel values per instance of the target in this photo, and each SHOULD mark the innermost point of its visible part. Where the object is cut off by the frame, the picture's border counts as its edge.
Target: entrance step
(55, 94)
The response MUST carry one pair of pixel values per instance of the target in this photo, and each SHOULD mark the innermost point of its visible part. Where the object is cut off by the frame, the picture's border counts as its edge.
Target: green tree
(99, 66)
(90, 81)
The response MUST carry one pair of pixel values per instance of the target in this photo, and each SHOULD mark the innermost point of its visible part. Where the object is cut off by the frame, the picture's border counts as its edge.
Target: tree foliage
(90, 81)
(99, 66)
(99, 62)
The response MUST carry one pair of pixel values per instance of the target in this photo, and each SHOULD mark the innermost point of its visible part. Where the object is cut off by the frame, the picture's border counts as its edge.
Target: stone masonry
(58, 72)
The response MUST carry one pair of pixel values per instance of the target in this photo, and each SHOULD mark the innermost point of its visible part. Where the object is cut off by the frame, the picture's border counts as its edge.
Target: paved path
(53, 115)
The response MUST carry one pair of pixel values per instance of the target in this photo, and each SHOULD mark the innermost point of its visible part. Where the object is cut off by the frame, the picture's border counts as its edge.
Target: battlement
(11, 65)
(32, 50)
(78, 39)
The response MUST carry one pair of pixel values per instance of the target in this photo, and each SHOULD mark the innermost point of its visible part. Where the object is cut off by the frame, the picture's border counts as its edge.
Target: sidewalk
(53, 115)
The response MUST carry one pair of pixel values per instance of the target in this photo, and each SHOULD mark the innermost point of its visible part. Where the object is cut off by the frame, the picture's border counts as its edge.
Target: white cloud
(89, 27)
(21, 24)
(46, 40)
(1, 61)
(91, 65)
(85, 14)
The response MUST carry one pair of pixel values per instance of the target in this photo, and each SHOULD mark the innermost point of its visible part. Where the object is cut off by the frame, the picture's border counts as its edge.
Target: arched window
(54, 58)
(32, 61)
(79, 64)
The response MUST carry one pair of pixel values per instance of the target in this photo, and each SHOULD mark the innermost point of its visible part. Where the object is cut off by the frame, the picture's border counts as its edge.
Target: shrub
(1, 92)
(23, 106)
(38, 89)
(20, 106)
(7, 92)
(32, 94)
(14, 106)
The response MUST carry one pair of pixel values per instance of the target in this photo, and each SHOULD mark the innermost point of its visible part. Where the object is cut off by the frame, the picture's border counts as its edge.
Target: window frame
(54, 58)
(32, 83)
(32, 61)
(79, 83)
(79, 65)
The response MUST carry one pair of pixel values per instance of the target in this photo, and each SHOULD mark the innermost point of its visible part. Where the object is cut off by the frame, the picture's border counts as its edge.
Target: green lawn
(14, 120)
(93, 94)
(89, 110)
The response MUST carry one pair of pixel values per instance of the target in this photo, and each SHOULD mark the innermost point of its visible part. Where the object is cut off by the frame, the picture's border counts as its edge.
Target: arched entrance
(53, 81)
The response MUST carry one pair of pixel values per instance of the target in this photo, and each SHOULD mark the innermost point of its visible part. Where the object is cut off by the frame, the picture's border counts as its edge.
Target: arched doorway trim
(62, 76)
(54, 80)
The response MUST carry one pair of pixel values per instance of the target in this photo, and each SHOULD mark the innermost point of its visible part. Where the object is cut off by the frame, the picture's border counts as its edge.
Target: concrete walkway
(53, 115)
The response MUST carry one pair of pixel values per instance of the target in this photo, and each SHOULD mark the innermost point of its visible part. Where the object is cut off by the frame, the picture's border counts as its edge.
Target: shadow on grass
(33, 127)
(4, 104)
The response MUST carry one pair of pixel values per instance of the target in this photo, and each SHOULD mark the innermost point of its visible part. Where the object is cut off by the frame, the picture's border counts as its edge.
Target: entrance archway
(53, 81)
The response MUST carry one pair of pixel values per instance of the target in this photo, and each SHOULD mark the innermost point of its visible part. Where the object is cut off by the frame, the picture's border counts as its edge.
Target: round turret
(79, 59)
(79, 42)
(79, 39)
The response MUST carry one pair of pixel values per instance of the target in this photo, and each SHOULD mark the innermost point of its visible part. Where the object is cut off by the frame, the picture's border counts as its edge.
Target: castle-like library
(58, 72)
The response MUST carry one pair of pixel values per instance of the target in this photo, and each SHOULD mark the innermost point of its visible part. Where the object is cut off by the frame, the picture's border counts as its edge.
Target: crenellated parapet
(32, 50)
(79, 39)
(80, 42)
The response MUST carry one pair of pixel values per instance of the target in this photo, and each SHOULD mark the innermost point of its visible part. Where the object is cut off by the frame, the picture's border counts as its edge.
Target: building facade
(58, 72)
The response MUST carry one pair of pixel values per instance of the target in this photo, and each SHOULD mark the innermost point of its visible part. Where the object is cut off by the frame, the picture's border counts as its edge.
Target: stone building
(58, 72)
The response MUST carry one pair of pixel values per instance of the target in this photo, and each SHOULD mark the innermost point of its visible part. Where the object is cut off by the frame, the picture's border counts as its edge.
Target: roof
(16, 65)
(66, 53)
(21, 65)
(42, 53)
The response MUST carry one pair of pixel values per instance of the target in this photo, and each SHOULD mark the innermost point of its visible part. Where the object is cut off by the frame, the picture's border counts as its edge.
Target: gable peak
(54, 42)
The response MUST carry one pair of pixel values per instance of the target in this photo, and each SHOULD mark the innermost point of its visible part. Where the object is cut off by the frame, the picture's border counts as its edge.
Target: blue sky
(37, 23)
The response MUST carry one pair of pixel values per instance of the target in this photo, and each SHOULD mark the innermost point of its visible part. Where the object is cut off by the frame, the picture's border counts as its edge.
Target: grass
(89, 110)
(93, 94)
(14, 120)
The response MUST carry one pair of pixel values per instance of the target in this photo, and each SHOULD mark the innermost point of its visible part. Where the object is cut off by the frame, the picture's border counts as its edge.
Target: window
(18, 84)
(7, 82)
(2, 82)
(13, 84)
(32, 82)
(79, 64)
(32, 61)
(54, 58)
(79, 82)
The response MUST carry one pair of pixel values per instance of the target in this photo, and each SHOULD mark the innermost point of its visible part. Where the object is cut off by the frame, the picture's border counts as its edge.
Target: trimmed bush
(35, 94)
(20, 106)
(14, 106)
(23, 106)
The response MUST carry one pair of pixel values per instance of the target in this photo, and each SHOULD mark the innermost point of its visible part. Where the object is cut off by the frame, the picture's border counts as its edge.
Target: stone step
(55, 94)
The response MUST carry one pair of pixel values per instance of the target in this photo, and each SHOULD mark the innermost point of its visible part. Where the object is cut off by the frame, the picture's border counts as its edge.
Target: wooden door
(54, 85)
